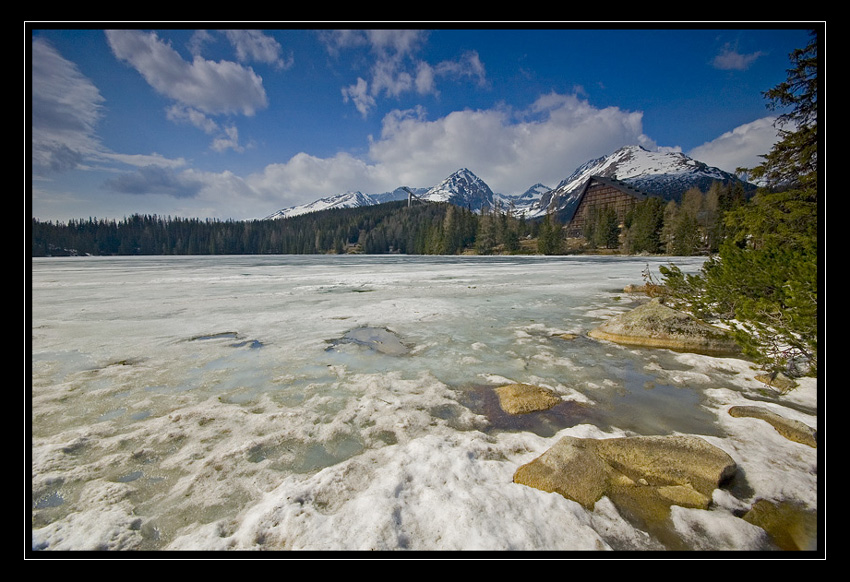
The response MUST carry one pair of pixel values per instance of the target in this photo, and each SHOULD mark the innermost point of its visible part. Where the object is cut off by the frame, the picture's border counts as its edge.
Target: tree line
(654, 226)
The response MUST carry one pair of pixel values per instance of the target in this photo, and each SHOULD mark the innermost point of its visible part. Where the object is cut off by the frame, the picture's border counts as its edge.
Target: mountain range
(667, 174)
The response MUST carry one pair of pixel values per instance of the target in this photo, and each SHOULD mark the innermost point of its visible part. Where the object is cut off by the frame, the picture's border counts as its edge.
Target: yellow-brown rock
(790, 525)
(654, 324)
(793, 430)
(642, 476)
(525, 398)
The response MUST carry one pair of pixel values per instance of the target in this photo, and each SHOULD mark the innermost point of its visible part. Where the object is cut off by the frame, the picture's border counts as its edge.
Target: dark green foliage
(549, 236)
(390, 227)
(603, 228)
(768, 296)
(764, 281)
(383, 228)
(643, 226)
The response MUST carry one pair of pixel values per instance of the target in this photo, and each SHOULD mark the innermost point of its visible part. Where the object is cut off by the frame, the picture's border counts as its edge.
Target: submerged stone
(790, 525)
(378, 339)
(525, 398)
(654, 324)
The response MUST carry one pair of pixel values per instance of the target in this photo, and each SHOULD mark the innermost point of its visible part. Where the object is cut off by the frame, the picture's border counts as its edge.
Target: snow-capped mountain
(523, 201)
(665, 174)
(463, 188)
(344, 200)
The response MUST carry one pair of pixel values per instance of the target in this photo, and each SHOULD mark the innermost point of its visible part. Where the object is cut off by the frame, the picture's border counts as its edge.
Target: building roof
(619, 184)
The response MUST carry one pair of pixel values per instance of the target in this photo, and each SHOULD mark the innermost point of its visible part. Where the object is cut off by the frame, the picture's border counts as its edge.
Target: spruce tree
(643, 226)
(764, 280)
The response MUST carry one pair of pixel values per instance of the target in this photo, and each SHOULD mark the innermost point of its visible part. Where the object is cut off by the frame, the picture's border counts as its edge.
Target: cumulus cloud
(253, 45)
(202, 88)
(304, 178)
(510, 150)
(66, 108)
(396, 69)
(740, 148)
(208, 86)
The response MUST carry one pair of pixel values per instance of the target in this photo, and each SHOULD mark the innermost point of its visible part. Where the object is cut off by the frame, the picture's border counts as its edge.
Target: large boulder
(643, 476)
(654, 324)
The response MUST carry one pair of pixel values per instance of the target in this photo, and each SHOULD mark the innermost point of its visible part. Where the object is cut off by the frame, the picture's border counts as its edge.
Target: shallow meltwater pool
(335, 402)
(375, 338)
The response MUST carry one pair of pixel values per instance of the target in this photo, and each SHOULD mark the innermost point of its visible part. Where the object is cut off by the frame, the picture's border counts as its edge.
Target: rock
(643, 476)
(654, 324)
(793, 430)
(790, 525)
(777, 380)
(525, 398)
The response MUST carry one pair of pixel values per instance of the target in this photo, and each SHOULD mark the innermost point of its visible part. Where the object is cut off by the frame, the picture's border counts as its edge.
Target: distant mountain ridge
(344, 200)
(665, 174)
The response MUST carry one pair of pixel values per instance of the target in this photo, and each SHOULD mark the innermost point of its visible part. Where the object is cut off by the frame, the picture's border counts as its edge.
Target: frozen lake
(346, 403)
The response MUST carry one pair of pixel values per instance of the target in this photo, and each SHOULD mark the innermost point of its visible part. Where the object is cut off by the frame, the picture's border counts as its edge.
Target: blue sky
(238, 123)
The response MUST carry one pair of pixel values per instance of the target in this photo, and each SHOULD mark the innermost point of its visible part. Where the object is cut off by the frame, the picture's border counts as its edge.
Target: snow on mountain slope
(666, 174)
(344, 200)
(463, 188)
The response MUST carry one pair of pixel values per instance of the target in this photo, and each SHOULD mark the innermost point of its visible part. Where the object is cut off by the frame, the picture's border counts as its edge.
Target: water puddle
(637, 405)
(378, 339)
(482, 399)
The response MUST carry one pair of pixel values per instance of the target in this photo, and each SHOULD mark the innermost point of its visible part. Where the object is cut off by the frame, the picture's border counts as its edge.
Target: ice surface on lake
(345, 403)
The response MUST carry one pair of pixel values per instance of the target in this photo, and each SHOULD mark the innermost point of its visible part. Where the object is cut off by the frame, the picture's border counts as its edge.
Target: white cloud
(739, 148)
(229, 140)
(141, 160)
(182, 114)
(208, 86)
(305, 178)
(509, 150)
(201, 88)
(469, 65)
(395, 69)
(253, 45)
(359, 94)
(730, 59)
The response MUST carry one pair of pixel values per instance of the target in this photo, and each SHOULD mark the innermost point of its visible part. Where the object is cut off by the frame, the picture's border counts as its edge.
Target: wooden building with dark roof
(600, 192)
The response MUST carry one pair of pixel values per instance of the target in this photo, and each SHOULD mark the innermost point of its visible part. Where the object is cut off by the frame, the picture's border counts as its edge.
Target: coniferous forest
(383, 228)
(694, 225)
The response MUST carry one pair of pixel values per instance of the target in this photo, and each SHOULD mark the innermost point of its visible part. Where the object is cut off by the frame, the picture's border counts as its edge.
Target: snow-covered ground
(213, 403)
